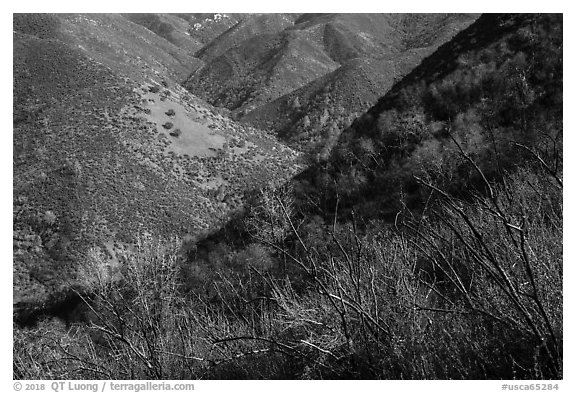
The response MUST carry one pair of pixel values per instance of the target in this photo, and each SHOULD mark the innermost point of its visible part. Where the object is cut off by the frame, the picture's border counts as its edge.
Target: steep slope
(170, 27)
(251, 26)
(111, 39)
(348, 36)
(312, 117)
(261, 69)
(127, 47)
(103, 154)
(267, 66)
(206, 27)
(497, 85)
(190, 32)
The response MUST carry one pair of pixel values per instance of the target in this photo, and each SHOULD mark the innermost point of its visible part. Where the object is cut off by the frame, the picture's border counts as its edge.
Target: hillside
(259, 70)
(265, 64)
(112, 40)
(270, 64)
(428, 243)
(489, 86)
(104, 152)
(311, 117)
(205, 27)
(170, 27)
(249, 27)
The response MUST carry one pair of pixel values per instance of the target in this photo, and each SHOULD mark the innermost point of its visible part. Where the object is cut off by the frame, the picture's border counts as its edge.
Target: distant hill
(310, 65)
(270, 63)
(311, 117)
(249, 27)
(259, 70)
(171, 27)
(107, 147)
(205, 27)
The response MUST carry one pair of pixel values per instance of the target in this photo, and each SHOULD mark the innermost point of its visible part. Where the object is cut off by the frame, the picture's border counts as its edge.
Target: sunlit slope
(96, 164)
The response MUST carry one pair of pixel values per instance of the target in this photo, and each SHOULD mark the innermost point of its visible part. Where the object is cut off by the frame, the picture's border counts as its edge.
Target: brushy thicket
(471, 289)
(483, 102)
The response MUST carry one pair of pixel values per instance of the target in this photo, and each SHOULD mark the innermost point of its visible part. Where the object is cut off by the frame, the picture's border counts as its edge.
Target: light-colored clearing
(196, 138)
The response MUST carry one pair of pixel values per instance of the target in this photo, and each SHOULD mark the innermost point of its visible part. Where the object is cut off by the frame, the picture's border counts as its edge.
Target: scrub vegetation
(426, 243)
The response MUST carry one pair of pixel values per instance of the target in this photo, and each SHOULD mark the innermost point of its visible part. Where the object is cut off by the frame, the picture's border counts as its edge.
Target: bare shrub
(469, 289)
(499, 257)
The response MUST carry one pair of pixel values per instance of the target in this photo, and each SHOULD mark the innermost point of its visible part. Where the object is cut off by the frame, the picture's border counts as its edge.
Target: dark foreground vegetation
(471, 290)
(428, 246)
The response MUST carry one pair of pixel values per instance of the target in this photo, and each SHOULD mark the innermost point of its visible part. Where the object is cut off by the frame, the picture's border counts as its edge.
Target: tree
(296, 103)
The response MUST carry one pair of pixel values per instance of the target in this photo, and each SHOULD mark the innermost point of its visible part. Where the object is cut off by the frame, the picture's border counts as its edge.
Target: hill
(105, 150)
(205, 27)
(311, 117)
(170, 27)
(249, 27)
(110, 39)
(259, 70)
(482, 89)
(436, 219)
(272, 63)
